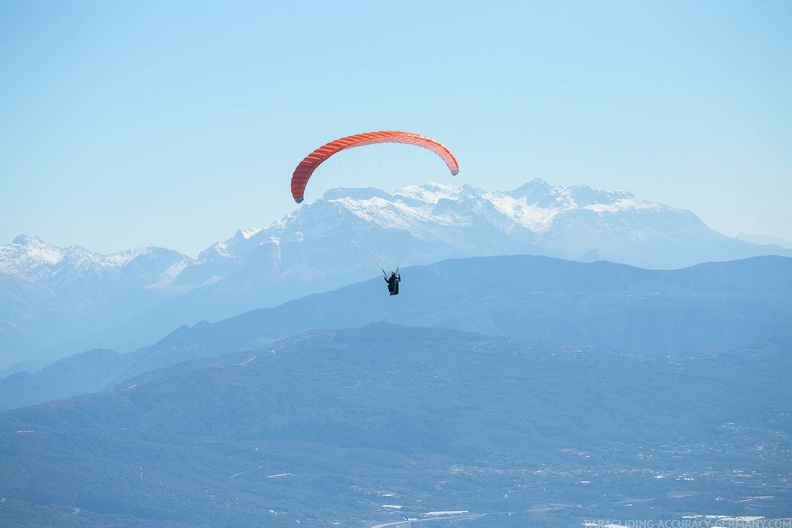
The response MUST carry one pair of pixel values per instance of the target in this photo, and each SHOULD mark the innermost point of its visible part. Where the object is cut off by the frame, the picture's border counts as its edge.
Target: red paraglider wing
(307, 166)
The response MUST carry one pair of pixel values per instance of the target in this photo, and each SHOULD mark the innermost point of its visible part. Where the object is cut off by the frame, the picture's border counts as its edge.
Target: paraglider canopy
(308, 165)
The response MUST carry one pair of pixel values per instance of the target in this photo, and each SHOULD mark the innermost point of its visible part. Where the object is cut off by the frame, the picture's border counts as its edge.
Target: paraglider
(312, 161)
(393, 282)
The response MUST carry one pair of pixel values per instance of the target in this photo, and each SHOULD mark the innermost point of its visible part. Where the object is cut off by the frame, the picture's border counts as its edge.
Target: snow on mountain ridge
(521, 212)
(356, 193)
(431, 193)
(30, 259)
(419, 209)
(250, 232)
(169, 275)
(533, 206)
(383, 213)
(123, 257)
(229, 249)
(583, 195)
(623, 205)
(31, 251)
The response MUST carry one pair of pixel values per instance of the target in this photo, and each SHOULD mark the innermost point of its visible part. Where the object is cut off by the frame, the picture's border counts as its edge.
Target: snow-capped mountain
(50, 294)
(129, 299)
(445, 221)
(32, 260)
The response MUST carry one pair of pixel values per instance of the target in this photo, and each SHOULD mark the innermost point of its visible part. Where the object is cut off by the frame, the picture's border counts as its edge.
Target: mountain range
(764, 239)
(58, 301)
(378, 425)
(497, 390)
(703, 309)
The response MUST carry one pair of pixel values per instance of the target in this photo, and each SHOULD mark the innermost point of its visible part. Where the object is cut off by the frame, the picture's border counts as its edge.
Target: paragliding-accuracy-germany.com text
(710, 521)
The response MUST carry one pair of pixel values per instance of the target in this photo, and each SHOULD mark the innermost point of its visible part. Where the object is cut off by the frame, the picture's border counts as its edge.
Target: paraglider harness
(393, 281)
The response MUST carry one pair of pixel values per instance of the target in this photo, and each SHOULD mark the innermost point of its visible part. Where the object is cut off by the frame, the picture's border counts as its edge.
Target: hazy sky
(178, 123)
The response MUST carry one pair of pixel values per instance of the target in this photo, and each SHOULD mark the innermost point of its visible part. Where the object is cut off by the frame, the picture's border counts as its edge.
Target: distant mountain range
(765, 240)
(57, 301)
(51, 294)
(698, 310)
(376, 425)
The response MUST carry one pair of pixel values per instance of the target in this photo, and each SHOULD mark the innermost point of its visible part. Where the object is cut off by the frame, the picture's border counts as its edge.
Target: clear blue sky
(177, 123)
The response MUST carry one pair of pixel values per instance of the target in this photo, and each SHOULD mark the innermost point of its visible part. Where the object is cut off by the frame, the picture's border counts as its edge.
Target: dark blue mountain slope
(340, 427)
